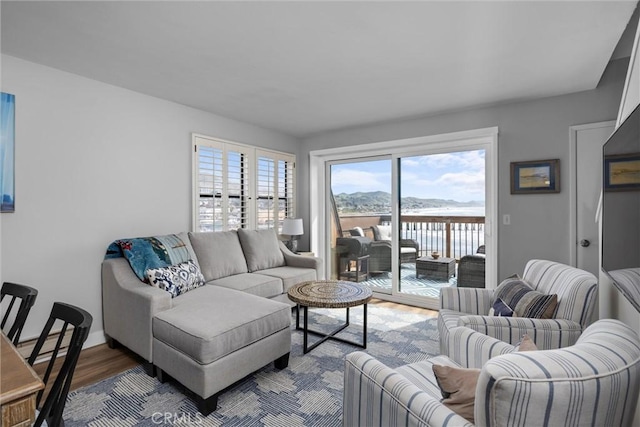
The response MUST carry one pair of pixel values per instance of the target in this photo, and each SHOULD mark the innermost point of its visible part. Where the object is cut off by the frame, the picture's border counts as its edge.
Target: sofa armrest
(473, 349)
(294, 260)
(375, 394)
(466, 300)
(129, 305)
(547, 334)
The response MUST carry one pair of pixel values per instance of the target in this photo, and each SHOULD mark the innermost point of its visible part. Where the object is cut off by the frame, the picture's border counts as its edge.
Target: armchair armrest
(466, 300)
(547, 334)
(375, 394)
(129, 306)
(409, 243)
(294, 260)
(473, 349)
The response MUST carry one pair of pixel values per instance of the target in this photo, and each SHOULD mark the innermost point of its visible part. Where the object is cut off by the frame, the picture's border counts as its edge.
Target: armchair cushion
(381, 232)
(356, 232)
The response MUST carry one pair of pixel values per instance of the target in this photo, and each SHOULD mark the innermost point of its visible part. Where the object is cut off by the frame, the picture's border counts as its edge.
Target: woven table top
(329, 294)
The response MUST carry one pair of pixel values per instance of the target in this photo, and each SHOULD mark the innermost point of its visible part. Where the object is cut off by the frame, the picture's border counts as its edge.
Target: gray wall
(527, 131)
(95, 163)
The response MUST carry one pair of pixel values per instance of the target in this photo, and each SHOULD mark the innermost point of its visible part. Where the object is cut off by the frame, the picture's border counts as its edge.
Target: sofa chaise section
(207, 348)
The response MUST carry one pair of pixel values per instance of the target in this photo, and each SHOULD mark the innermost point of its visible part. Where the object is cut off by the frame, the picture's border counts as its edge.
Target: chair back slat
(27, 296)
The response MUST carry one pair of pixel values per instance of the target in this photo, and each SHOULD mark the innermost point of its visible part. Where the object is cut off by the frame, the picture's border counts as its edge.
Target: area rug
(307, 393)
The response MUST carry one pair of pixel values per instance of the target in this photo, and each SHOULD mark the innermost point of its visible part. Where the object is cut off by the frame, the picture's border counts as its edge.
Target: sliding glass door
(360, 195)
(413, 249)
(399, 217)
(441, 218)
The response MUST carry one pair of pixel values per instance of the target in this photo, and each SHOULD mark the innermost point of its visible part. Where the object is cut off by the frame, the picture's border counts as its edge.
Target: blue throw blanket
(144, 253)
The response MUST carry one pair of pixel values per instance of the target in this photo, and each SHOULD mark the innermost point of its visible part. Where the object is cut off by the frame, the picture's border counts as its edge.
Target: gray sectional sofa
(214, 335)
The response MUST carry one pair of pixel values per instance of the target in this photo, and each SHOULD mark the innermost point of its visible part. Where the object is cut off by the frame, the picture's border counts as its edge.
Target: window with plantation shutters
(275, 178)
(239, 186)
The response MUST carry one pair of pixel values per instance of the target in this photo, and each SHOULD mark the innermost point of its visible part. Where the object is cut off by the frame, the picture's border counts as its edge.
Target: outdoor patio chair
(471, 270)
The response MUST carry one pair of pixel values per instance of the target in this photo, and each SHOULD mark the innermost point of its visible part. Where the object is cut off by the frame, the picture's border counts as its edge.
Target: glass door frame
(479, 139)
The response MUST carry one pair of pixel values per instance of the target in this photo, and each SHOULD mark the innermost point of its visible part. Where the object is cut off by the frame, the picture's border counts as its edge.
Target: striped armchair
(577, 296)
(595, 382)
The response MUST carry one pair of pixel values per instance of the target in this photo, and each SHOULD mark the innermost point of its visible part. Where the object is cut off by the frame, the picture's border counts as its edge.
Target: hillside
(380, 201)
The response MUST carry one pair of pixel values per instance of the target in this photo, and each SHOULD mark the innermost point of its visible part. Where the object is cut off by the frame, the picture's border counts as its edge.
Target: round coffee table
(329, 294)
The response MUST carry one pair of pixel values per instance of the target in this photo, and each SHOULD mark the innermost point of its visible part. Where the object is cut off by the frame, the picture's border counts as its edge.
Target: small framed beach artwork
(622, 172)
(7, 152)
(538, 176)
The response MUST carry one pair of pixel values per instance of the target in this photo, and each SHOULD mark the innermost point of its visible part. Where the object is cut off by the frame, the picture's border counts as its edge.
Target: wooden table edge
(32, 386)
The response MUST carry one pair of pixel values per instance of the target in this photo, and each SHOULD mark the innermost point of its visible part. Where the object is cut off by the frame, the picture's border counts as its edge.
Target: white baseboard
(95, 338)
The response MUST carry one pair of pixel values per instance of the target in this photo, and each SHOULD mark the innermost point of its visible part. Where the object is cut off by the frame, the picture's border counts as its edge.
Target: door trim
(573, 189)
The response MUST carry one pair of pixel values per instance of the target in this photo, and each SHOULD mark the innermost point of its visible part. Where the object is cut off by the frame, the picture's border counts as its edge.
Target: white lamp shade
(292, 226)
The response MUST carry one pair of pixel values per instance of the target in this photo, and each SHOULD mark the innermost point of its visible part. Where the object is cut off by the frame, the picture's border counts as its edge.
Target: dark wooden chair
(53, 406)
(27, 296)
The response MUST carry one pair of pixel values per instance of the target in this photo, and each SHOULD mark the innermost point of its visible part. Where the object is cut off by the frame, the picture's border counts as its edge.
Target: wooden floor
(100, 362)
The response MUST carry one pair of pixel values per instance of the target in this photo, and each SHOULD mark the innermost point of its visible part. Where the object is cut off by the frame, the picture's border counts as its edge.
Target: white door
(587, 141)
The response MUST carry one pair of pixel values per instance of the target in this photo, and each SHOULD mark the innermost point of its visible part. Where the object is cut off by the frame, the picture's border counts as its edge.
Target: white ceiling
(308, 67)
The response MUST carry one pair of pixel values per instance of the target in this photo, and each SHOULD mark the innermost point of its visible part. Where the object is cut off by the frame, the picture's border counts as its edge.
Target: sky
(455, 176)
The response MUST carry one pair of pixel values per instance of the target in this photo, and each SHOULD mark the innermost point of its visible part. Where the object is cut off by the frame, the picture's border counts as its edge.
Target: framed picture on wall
(622, 172)
(537, 176)
(7, 152)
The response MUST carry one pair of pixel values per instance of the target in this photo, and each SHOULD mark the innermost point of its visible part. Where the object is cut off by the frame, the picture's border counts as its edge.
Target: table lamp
(292, 227)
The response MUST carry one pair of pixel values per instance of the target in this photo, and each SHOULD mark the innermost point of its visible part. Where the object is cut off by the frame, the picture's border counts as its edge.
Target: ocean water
(465, 238)
(448, 211)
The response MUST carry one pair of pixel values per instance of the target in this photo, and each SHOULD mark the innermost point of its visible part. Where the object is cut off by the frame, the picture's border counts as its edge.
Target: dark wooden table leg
(305, 331)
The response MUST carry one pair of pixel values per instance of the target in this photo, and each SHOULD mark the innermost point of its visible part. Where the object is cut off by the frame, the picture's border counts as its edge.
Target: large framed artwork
(7, 151)
(622, 172)
(538, 176)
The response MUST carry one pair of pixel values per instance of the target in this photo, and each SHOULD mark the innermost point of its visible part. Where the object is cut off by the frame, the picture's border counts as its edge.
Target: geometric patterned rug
(307, 393)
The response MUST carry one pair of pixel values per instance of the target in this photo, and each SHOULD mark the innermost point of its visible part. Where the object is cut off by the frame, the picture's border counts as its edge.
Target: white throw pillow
(384, 232)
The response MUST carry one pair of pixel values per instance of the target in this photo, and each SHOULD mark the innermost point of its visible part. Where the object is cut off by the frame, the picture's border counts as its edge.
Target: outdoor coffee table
(329, 294)
(437, 269)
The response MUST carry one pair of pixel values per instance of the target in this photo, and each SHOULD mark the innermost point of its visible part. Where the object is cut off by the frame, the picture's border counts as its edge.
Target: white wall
(95, 163)
(527, 131)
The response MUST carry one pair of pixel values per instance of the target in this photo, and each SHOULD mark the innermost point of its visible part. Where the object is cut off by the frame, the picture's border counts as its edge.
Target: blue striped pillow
(525, 302)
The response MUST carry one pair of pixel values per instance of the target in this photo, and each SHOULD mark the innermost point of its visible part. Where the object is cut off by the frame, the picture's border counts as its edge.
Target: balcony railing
(452, 236)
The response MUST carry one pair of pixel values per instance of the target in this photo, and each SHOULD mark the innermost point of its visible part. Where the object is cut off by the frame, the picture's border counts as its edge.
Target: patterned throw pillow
(176, 279)
(524, 301)
(501, 309)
